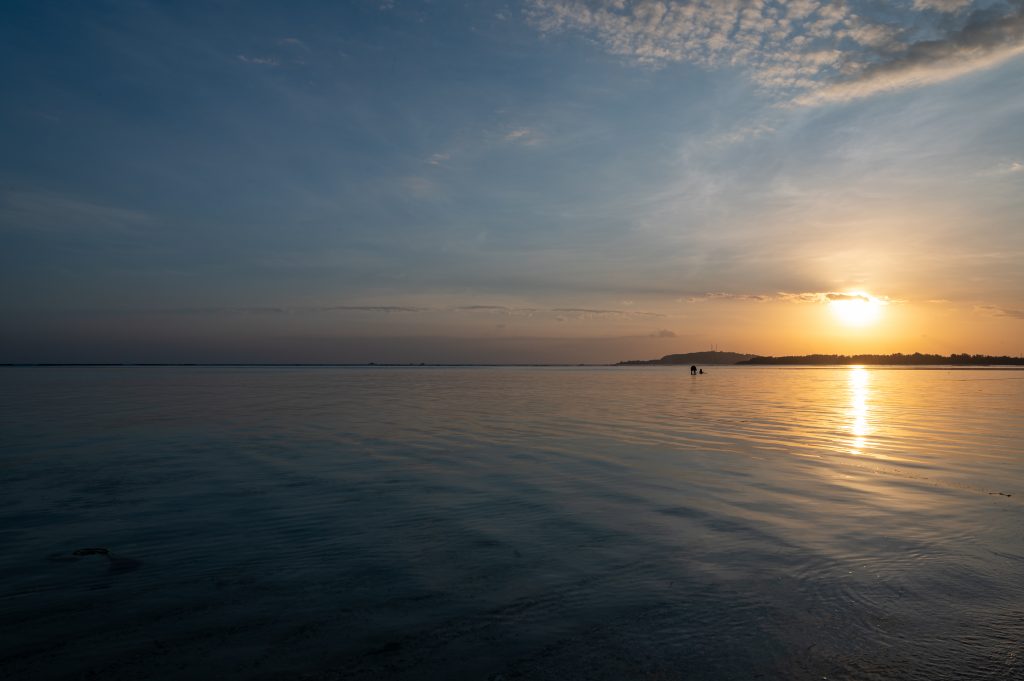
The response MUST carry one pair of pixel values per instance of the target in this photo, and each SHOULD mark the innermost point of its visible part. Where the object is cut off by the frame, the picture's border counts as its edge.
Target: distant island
(897, 359)
(706, 357)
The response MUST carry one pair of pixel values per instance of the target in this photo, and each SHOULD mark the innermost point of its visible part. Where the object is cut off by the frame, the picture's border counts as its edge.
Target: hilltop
(705, 357)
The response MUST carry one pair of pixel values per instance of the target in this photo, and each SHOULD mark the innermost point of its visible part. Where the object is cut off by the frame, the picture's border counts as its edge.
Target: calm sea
(511, 523)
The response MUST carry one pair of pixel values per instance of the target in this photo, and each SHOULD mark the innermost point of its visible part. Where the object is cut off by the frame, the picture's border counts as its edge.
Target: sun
(855, 308)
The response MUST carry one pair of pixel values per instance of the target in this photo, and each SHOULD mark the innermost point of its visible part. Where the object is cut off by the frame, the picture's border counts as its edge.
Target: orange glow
(856, 308)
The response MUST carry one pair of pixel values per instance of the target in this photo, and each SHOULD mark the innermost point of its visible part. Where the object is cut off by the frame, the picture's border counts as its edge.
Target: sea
(499, 523)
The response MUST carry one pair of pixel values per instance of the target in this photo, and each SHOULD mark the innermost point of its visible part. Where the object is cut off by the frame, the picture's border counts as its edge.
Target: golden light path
(859, 407)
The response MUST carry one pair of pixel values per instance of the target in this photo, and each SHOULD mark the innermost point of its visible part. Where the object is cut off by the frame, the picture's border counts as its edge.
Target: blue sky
(551, 180)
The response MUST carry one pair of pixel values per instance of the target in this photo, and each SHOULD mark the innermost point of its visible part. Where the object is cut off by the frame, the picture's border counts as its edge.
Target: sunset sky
(544, 181)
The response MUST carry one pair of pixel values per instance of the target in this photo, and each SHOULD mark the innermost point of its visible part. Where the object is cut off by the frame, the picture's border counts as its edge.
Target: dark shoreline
(895, 359)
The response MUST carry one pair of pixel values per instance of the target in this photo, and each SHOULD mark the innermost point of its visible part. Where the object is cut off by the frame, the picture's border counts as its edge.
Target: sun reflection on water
(859, 392)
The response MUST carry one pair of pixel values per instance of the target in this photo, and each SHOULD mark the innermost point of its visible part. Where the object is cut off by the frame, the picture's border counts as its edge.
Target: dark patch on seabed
(115, 564)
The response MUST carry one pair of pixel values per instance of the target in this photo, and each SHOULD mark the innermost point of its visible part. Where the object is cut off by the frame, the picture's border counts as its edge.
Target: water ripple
(519, 523)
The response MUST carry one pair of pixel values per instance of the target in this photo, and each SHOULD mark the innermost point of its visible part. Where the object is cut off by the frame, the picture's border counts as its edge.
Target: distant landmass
(706, 357)
(897, 359)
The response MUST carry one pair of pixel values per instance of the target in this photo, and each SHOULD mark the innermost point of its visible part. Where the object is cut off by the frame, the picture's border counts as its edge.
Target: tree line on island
(897, 359)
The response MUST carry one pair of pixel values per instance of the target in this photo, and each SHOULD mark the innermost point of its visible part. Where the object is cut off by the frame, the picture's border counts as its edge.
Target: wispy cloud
(290, 310)
(502, 310)
(419, 187)
(216, 311)
(1003, 168)
(848, 296)
(721, 295)
(558, 313)
(54, 213)
(527, 136)
(261, 61)
(294, 42)
(983, 43)
(373, 308)
(787, 297)
(942, 5)
(590, 313)
(803, 297)
(997, 311)
(809, 52)
(497, 309)
(832, 296)
(749, 132)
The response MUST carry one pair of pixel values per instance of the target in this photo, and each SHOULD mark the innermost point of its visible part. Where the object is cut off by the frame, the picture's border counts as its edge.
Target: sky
(536, 181)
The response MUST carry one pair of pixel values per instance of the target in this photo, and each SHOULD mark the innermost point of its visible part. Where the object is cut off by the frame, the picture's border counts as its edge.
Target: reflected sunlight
(856, 308)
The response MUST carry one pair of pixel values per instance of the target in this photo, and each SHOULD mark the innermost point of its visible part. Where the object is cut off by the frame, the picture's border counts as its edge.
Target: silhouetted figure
(693, 370)
(701, 371)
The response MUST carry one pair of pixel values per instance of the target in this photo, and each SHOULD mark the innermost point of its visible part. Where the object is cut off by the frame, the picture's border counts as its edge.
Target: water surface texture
(511, 523)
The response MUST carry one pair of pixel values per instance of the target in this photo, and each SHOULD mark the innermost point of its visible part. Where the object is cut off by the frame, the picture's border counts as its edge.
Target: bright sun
(855, 308)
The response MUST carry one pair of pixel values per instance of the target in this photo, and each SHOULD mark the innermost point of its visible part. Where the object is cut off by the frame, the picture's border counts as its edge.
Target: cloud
(781, 47)
(262, 61)
(803, 297)
(438, 158)
(979, 45)
(216, 311)
(663, 333)
(419, 187)
(270, 310)
(481, 308)
(590, 313)
(46, 212)
(942, 5)
(788, 297)
(720, 295)
(809, 52)
(497, 309)
(821, 297)
(525, 136)
(370, 308)
(294, 42)
(833, 296)
(997, 311)
(743, 134)
(560, 313)
(847, 296)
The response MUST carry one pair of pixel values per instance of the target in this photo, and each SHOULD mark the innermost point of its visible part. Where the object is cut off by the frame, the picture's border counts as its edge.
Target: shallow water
(512, 523)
